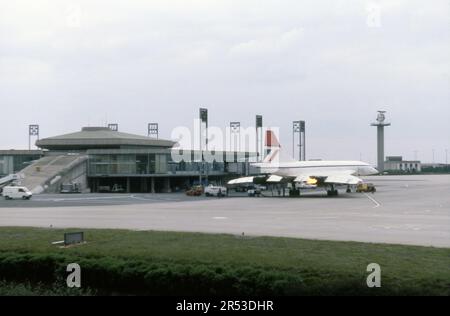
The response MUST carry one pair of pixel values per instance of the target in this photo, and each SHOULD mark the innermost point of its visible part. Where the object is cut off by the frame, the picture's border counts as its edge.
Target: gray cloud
(65, 64)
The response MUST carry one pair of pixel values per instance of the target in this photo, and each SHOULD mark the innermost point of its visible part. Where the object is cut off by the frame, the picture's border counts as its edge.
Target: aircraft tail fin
(271, 139)
(274, 152)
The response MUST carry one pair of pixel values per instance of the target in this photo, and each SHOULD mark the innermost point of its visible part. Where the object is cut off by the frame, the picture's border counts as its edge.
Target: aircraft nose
(374, 170)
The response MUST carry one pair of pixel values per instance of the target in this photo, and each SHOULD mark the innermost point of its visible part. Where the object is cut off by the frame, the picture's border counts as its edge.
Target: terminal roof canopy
(99, 138)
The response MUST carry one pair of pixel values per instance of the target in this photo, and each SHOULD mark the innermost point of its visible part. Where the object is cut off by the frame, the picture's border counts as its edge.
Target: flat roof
(403, 161)
(100, 137)
(20, 152)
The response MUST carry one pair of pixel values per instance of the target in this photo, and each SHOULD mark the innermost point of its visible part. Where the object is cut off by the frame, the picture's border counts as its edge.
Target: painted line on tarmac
(373, 200)
(158, 199)
(84, 199)
(142, 199)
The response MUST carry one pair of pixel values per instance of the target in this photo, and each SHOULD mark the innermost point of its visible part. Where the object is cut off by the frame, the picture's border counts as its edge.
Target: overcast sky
(67, 64)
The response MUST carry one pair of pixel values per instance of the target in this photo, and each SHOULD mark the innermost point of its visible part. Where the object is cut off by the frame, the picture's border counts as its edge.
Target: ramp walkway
(49, 171)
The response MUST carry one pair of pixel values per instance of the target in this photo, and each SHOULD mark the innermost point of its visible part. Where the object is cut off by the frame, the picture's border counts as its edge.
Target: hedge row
(111, 275)
(133, 276)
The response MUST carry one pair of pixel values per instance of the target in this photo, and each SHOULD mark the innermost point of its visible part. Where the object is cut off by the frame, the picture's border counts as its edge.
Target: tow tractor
(366, 187)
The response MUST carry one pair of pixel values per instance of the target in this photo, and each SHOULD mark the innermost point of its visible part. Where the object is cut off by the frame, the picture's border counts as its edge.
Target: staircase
(9, 179)
(46, 174)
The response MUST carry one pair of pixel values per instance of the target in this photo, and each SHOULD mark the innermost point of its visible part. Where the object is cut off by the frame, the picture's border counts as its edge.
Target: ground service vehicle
(117, 188)
(10, 193)
(70, 188)
(213, 190)
(256, 191)
(365, 187)
(195, 191)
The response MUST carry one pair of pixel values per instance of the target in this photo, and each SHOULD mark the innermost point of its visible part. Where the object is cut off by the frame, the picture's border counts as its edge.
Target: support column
(167, 185)
(380, 147)
(128, 184)
(144, 186)
(152, 185)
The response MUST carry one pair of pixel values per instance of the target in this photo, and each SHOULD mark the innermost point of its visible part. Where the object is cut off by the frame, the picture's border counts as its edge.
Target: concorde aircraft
(277, 167)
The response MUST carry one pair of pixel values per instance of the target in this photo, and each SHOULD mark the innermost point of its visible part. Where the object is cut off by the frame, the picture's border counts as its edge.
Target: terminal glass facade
(147, 164)
(128, 164)
(154, 170)
(14, 163)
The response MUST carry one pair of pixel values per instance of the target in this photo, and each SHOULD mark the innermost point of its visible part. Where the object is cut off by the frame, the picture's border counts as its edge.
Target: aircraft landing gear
(332, 191)
(349, 190)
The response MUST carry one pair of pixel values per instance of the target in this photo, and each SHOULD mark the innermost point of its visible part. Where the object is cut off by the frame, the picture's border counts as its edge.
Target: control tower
(380, 124)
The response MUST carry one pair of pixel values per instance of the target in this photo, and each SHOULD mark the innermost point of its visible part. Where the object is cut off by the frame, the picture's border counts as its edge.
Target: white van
(16, 193)
(212, 190)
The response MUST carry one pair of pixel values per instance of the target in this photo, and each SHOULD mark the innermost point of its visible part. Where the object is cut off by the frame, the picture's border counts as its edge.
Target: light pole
(296, 130)
(153, 129)
(235, 130)
(33, 130)
(298, 127)
(259, 124)
(114, 127)
(303, 140)
(446, 157)
(203, 119)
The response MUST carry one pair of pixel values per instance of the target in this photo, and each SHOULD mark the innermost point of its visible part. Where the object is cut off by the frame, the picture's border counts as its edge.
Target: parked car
(213, 190)
(195, 191)
(10, 193)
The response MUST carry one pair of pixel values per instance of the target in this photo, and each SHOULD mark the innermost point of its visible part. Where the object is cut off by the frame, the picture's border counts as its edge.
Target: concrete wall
(76, 174)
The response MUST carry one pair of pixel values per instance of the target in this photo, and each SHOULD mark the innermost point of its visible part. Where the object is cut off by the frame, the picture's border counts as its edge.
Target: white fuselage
(297, 168)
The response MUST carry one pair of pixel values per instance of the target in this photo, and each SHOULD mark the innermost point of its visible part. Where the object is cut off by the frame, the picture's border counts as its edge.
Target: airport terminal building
(12, 161)
(103, 160)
